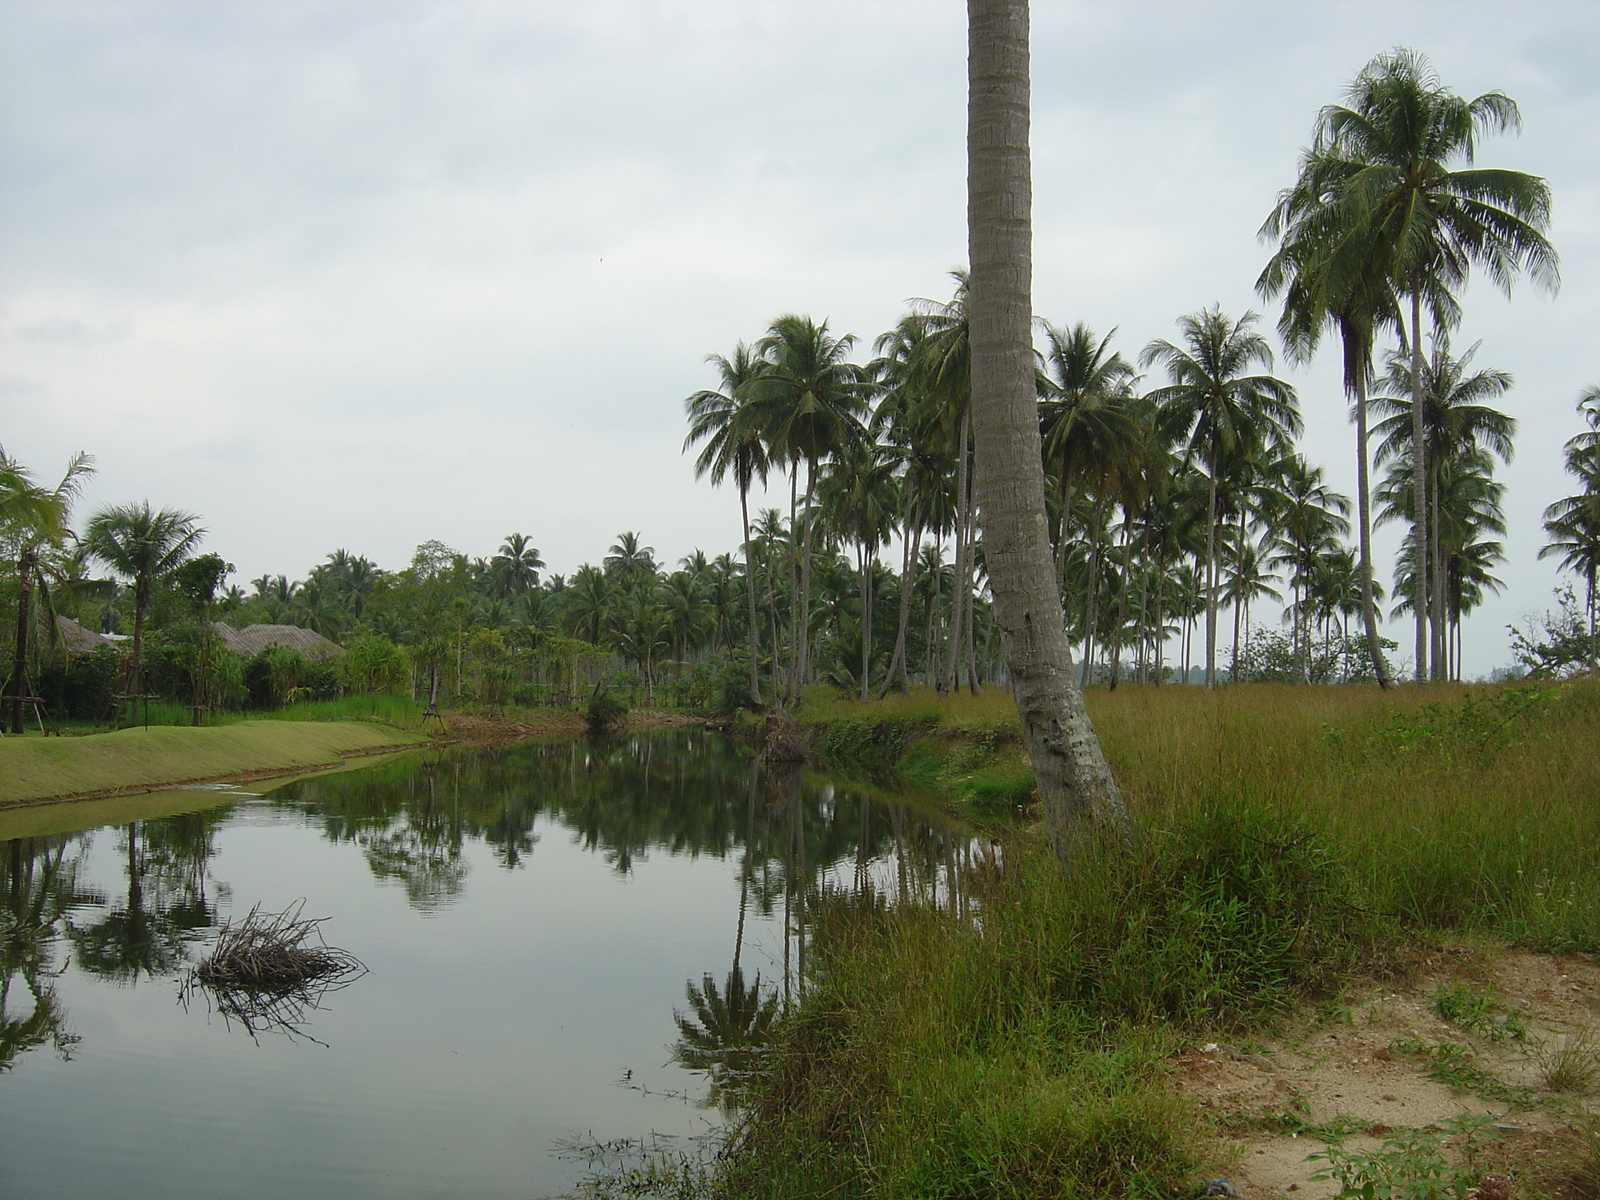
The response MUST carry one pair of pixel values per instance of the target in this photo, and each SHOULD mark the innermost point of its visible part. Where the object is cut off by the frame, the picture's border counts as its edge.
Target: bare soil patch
(1383, 1060)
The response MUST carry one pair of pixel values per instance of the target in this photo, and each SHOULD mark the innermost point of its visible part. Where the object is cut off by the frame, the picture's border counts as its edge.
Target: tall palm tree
(1456, 424)
(1332, 273)
(862, 497)
(725, 421)
(1309, 521)
(1086, 413)
(515, 568)
(1398, 161)
(810, 402)
(1573, 522)
(1247, 581)
(941, 369)
(144, 546)
(1221, 412)
(1075, 784)
(33, 520)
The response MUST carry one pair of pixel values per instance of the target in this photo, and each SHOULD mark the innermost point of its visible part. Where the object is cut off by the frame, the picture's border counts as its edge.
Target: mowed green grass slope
(37, 769)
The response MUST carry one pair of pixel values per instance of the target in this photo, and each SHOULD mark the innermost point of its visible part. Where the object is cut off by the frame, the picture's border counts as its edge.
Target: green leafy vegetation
(1411, 1165)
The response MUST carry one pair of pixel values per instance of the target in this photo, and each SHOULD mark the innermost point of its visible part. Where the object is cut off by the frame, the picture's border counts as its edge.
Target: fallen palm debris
(269, 970)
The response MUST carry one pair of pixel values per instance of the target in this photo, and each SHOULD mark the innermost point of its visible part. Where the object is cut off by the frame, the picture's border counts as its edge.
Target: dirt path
(1385, 1061)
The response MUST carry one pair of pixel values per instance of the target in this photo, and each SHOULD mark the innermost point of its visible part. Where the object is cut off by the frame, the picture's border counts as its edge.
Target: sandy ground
(1351, 1066)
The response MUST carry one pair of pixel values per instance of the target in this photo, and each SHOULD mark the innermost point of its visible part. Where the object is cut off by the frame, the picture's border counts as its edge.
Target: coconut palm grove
(1184, 517)
(1053, 793)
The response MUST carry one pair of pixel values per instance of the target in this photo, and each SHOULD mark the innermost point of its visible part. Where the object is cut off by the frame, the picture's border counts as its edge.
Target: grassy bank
(1286, 841)
(38, 769)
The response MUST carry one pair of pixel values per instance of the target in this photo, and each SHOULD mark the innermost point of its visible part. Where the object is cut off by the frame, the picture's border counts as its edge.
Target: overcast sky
(361, 274)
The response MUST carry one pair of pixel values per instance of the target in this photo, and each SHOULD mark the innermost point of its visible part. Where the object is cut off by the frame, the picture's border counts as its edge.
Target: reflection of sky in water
(501, 1009)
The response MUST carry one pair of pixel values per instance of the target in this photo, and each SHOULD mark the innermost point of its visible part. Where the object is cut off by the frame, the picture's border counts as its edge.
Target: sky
(361, 274)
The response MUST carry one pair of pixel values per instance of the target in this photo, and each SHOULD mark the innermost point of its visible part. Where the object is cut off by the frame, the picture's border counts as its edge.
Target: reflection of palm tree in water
(150, 934)
(40, 887)
(728, 1034)
(422, 849)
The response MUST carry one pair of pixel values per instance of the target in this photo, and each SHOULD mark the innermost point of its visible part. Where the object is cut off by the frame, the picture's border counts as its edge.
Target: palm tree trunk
(950, 676)
(1122, 607)
(790, 687)
(750, 591)
(19, 660)
(1076, 787)
(1419, 492)
(1369, 607)
(805, 583)
(866, 620)
(1211, 580)
(908, 558)
(972, 644)
(1441, 666)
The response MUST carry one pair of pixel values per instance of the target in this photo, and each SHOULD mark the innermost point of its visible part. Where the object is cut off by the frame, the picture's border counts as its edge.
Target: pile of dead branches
(270, 970)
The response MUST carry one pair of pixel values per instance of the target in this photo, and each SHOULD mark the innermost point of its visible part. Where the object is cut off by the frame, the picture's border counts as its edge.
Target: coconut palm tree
(143, 545)
(1075, 784)
(725, 421)
(1332, 274)
(1398, 161)
(515, 568)
(1087, 415)
(33, 520)
(1309, 519)
(1573, 522)
(1221, 412)
(862, 496)
(941, 371)
(1456, 424)
(809, 403)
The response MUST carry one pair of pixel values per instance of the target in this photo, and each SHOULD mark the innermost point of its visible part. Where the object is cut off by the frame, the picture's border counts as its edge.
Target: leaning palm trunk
(1076, 788)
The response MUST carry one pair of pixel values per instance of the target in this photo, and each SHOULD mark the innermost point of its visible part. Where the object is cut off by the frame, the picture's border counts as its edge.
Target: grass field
(1287, 840)
(35, 769)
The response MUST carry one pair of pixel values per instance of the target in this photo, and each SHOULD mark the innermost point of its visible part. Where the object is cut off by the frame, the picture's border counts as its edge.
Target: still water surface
(532, 918)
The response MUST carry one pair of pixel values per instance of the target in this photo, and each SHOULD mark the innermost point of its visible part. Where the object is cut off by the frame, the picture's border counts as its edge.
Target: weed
(1471, 1008)
(1585, 1151)
(1459, 1067)
(1411, 1165)
(1572, 1065)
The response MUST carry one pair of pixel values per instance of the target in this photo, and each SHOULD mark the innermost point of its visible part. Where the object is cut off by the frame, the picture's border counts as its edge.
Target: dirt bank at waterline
(43, 770)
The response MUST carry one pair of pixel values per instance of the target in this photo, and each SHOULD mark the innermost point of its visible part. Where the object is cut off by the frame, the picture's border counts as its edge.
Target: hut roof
(79, 639)
(253, 639)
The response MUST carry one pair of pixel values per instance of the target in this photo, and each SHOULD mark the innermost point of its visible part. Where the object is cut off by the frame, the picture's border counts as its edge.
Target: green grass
(1286, 840)
(401, 711)
(1452, 807)
(33, 769)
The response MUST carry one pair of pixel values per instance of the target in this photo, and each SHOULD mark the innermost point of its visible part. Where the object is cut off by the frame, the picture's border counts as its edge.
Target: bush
(84, 689)
(372, 663)
(605, 711)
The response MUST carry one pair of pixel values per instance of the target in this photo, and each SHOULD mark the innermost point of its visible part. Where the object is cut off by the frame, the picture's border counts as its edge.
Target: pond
(553, 934)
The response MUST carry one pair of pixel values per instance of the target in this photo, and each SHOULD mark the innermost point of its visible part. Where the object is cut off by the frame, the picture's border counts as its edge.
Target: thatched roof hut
(253, 639)
(79, 639)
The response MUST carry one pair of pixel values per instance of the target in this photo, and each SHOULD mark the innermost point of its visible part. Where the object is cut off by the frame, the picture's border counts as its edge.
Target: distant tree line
(1178, 499)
